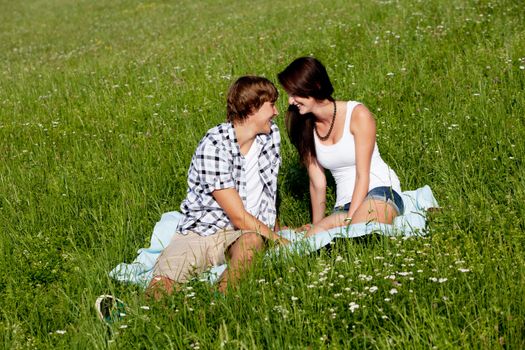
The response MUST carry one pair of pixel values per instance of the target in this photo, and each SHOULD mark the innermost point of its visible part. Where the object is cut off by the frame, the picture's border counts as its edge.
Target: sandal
(110, 309)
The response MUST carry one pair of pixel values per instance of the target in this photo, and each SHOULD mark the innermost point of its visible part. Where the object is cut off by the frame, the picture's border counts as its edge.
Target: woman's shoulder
(361, 117)
(361, 110)
(354, 107)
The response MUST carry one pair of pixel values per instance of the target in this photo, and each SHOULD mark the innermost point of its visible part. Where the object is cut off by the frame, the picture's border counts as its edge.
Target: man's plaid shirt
(218, 164)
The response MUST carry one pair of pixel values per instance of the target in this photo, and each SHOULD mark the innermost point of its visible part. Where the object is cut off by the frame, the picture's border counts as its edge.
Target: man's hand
(230, 201)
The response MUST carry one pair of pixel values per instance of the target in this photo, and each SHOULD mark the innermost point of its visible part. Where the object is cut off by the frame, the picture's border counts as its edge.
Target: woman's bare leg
(372, 210)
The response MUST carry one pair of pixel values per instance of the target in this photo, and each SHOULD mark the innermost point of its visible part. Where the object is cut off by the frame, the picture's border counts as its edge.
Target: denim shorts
(383, 193)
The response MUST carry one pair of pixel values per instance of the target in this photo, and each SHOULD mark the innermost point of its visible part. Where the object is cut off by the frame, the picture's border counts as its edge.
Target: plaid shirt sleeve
(214, 167)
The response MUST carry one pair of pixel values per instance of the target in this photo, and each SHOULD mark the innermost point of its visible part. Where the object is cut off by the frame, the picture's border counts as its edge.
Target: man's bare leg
(241, 255)
(161, 286)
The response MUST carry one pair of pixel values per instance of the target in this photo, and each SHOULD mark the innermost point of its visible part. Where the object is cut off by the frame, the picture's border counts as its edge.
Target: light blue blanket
(412, 222)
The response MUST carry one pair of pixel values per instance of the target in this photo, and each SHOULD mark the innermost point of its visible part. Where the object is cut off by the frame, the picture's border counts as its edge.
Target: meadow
(103, 102)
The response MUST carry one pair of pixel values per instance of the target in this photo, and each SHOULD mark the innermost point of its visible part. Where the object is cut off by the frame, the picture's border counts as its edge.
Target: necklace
(325, 137)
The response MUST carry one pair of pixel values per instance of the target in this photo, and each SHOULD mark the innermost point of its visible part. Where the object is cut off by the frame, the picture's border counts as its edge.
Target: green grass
(101, 107)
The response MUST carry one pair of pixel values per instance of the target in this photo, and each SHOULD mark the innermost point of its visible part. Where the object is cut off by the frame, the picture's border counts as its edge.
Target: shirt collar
(236, 150)
(261, 139)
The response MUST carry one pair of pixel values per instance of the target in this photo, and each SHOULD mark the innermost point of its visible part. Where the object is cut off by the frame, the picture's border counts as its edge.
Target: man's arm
(230, 201)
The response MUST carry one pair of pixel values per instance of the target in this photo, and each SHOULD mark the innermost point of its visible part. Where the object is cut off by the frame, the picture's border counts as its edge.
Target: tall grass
(102, 105)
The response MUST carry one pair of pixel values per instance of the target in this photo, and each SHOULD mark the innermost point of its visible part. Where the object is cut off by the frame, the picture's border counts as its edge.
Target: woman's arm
(317, 190)
(363, 127)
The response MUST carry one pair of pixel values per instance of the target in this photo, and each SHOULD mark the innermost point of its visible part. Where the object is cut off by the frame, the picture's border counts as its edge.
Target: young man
(230, 208)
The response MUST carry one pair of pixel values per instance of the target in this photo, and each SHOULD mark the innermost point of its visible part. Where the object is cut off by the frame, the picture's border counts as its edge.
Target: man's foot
(110, 309)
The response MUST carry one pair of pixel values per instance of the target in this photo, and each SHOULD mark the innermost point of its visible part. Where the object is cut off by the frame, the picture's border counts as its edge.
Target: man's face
(262, 118)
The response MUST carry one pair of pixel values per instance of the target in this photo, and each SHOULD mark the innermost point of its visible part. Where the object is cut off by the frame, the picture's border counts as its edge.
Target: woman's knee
(373, 210)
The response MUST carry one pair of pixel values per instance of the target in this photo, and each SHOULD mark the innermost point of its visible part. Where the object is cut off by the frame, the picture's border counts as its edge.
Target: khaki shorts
(191, 254)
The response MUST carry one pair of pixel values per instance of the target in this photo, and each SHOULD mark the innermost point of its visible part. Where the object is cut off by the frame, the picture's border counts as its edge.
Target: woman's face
(303, 104)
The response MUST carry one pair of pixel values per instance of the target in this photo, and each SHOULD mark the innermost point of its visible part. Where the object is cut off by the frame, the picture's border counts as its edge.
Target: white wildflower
(365, 277)
(353, 306)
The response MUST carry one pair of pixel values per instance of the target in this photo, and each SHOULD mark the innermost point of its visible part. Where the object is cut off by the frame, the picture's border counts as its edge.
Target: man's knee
(250, 241)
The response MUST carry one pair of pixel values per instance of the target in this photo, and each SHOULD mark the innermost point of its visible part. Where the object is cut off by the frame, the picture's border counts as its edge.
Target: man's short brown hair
(247, 95)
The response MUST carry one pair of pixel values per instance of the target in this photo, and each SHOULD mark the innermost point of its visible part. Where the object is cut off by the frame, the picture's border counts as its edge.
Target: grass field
(103, 102)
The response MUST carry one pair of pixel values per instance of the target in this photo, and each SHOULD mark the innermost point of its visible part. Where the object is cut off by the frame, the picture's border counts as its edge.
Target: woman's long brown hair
(304, 77)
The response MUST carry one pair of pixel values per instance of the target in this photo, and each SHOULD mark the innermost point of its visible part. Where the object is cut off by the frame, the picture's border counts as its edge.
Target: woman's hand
(303, 228)
(329, 222)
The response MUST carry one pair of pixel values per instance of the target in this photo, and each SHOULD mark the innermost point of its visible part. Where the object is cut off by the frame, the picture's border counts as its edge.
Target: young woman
(339, 136)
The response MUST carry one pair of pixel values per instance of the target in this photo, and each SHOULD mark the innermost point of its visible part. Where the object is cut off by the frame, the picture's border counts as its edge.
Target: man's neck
(245, 136)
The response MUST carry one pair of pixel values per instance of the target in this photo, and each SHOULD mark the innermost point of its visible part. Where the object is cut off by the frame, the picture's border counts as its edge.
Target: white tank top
(339, 158)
